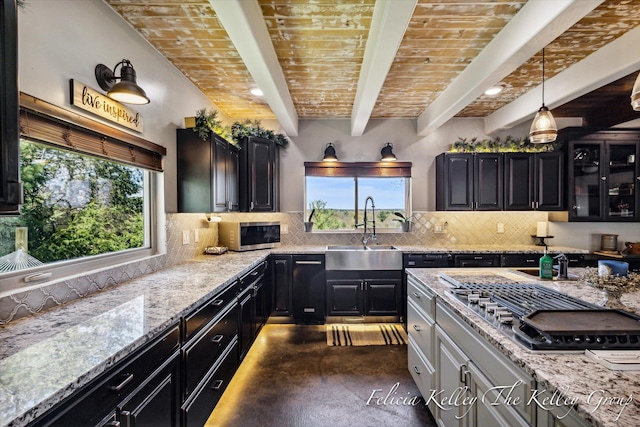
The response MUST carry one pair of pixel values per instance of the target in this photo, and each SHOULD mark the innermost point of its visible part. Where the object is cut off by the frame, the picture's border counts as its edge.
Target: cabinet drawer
(199, 406)
(422, 298)
(97, 400)
(253, 276)
(200, 355)
(421, 330)
(201, 316)
(496, 367)
(421, 371)
(520, 260)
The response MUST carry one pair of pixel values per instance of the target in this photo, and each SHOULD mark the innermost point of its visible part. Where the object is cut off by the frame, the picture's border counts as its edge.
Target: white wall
(61, 40)
(65, 39)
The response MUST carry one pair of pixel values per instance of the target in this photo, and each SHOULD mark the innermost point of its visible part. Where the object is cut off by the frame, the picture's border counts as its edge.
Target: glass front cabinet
(604, 177)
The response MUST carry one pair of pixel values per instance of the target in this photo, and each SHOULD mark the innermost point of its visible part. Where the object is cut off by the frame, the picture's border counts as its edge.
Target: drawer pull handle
(217, 303)
(128, 378)
(217, 339)
(309, 262)
(415, 294)
(415, 368)
(417, 328)
(216, 385)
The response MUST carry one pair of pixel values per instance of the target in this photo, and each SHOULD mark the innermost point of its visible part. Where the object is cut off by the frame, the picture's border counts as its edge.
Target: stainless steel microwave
(246, 236)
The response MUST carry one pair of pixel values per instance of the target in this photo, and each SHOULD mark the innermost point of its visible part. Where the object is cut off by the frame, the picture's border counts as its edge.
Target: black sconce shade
(387, 153)
(127, 90)
(330, 154)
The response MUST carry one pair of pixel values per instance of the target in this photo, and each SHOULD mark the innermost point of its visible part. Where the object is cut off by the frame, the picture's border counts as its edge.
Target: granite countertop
(91, 334)
(577, 378)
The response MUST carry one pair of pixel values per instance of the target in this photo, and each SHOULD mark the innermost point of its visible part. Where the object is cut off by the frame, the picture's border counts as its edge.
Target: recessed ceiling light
(256, 91)
(494, 90)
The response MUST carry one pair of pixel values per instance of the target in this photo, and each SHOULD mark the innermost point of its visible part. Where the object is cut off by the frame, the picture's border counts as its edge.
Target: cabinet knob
(417, 328)
(417, 295)
(217, 339)
(417, 370)
(217, 384)
(603, 178)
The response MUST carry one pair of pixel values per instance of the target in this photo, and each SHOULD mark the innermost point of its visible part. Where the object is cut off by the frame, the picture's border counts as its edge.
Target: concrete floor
(290, 377)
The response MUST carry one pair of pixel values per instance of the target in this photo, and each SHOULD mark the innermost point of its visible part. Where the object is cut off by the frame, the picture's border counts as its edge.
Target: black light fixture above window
(330, 154)
(127, 90)
(387, 153)
(543, 129)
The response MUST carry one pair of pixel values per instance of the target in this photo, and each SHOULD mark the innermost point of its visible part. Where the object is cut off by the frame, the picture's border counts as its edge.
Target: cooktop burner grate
(523, 299)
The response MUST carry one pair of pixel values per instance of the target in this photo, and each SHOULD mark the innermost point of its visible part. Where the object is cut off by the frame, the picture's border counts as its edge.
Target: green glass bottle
(546, 266)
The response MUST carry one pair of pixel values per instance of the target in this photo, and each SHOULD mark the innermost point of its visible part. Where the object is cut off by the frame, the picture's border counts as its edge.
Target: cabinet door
(549, 181)
(586, 179)
(344, 297)
(233, 170)
(308, 288)
(281, 284)
(621, 194)
(454, 182)
(382, 297)
(156, 403)
(194, 172)
(220, 174)
(519, 181)
(451, 374)
(258, 175)
(487, 184)
(246, 321)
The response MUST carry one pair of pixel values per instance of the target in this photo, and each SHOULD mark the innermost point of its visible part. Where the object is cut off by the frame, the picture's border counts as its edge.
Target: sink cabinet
(364, 293)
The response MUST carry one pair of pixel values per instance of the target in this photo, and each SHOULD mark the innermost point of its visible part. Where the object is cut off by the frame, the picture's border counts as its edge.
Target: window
(74, 206)
(337, 193)
(88, 197)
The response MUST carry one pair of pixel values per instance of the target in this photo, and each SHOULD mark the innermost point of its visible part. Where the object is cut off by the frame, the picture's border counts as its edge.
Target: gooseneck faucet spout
(366, 222)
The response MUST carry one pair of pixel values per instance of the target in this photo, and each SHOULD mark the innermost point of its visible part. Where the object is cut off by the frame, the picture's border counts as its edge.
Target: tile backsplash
(430, 228)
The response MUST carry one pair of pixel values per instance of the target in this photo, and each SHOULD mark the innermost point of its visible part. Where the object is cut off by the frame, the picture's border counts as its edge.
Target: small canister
(609, 242)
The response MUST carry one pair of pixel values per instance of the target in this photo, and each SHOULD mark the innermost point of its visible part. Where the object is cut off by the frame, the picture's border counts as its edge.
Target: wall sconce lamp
(127, 90)
(387, 153)
(635, 95)
(330, 154)
(543, 129)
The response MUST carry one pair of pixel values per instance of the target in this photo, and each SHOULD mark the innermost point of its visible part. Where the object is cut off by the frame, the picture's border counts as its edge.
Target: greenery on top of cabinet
(496, 145)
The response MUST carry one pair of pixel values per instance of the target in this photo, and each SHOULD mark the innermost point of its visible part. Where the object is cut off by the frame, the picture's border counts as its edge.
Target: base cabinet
(281, 267)
(364, 293)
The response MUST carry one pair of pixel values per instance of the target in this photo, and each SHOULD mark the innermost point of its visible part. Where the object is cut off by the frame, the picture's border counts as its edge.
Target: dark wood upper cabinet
(259, 174)
(10, 188)
(469, 181)
(207, 173)
(534, 181)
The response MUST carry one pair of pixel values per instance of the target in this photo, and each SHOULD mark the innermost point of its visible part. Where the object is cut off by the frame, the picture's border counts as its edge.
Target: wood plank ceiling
(322, 54)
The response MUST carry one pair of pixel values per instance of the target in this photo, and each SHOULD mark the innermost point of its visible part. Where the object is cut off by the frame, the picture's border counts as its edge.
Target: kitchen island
(540, 388)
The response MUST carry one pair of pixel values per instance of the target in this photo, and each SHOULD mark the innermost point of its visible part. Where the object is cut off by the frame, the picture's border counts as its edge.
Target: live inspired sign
(84, 97)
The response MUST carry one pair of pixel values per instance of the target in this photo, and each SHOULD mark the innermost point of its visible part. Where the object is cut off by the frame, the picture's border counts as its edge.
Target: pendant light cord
(543, 77)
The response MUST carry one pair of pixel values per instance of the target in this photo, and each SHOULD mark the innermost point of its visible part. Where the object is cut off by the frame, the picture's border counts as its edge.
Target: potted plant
(240, 130)
(405, 222)
(308, 225)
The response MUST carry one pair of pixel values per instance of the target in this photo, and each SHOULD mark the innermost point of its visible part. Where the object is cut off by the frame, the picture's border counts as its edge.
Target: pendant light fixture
(330, 154)
(635, 94)
(543, 129)
(126, 90)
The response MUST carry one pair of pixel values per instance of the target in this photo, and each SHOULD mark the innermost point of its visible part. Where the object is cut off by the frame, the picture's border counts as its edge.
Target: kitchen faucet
(563, 266)
(364, 224)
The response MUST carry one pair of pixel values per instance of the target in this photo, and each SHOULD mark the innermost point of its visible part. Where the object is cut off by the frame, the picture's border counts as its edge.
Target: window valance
(371, 169)
(44, 122)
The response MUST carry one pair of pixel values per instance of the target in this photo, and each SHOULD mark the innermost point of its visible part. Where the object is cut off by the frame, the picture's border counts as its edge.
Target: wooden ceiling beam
(388, 25)
(533, 27)
(613, 61)
(246, 27)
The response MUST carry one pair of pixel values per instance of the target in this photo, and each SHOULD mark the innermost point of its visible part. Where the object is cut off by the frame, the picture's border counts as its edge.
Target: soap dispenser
(546, 266)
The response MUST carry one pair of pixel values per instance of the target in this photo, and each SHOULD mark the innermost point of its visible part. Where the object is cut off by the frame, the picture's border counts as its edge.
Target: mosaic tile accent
(458, 228)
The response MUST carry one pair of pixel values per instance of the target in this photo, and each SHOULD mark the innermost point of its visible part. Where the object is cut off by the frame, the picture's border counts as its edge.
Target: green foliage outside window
(75, 205)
